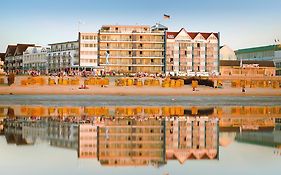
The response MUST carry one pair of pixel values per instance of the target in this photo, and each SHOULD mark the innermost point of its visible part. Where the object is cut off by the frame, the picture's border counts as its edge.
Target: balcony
(133, 48)
(130, 40)
(131, 56)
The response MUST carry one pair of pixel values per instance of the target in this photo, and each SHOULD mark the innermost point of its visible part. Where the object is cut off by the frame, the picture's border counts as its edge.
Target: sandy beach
(131, 91)
(17, 89)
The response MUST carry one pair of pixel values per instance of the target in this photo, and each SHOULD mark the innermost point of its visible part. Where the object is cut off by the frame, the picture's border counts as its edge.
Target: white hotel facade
(35, 58)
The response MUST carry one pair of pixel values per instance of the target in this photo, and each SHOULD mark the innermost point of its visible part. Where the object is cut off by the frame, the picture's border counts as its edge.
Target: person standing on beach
(243, 89)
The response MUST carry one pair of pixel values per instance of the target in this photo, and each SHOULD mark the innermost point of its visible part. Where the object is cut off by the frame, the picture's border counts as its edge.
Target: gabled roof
(206, 35)
(171, 35)
(21, 48)
(193, 34)
(10, 51)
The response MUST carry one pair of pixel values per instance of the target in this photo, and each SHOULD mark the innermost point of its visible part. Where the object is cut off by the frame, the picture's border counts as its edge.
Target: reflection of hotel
(122, 141)
(191, 138)
(88, 140)
(131, 142)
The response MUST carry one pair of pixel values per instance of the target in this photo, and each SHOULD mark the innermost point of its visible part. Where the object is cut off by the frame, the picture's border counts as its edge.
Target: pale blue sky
(242, 23)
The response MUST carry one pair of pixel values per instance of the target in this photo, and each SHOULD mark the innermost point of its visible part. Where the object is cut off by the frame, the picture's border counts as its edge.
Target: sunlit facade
(88, 50)
(196, 52)
(131, 49)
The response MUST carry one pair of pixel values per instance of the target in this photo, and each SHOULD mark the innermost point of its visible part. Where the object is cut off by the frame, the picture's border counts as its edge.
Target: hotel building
(263, 53)
(63, 56)
(35, 58)
(88, 50)
(131, 49)
(195, 52)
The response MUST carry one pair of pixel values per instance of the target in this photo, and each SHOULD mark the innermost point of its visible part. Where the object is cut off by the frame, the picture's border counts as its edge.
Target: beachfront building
(63, 56)
(191, 138)
(14, 57)
(88, 50)
(132, 142)
(35, 58)
(249, 68)
(226, 53)
(131, 49)
(268, 53)
(193, 52)
(2, 59)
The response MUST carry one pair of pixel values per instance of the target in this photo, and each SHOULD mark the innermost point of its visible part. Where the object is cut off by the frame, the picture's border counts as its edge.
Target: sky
(241, 23)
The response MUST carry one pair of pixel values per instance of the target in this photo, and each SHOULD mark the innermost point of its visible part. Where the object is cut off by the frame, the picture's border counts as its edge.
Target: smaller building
(88, 50)
(247, 68)
(63, 56)
(35, 58)
(269, 53)
(226, 53)
(14, 57)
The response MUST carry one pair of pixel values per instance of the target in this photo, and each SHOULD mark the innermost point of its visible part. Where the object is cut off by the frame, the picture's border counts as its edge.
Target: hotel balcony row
(131, 40)
(130, 32)
(132, 48)
(133, 55)
(132, 65)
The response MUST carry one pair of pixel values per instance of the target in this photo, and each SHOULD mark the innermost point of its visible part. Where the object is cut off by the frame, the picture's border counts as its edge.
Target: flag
(167, 16)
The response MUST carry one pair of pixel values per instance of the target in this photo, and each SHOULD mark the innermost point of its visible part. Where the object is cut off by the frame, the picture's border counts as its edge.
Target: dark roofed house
(13, 57)
(2, 56)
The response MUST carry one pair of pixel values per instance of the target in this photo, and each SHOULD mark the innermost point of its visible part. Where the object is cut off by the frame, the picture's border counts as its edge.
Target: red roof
(192, 34)
(172, 35)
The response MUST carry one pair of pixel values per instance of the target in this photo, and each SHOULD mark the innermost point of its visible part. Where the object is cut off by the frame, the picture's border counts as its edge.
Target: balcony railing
(130, 40)
(132, 48)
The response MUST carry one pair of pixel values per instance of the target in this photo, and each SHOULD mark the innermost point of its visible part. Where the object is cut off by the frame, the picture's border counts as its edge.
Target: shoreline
(134, 91)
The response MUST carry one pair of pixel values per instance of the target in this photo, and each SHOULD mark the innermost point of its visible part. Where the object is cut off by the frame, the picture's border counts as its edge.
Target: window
(130, 52)
(140, 52)
(171, 59)
(198, 44)
(140, 37)
(152, 61)
(185, 52)
(116, 28)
